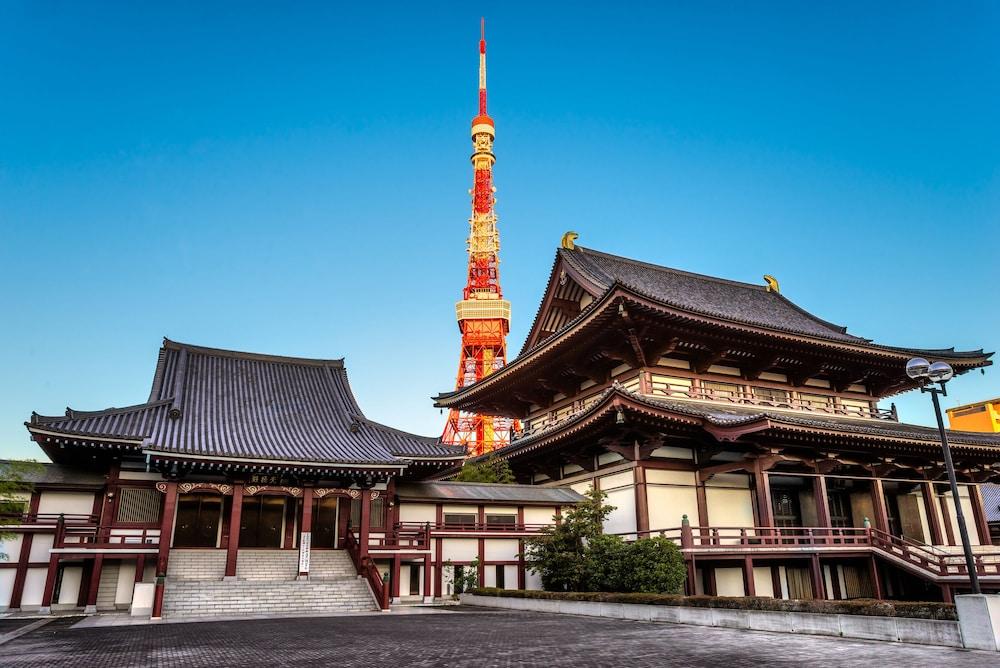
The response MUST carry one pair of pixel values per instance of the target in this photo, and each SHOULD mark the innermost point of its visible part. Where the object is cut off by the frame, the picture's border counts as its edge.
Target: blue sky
(293, 179)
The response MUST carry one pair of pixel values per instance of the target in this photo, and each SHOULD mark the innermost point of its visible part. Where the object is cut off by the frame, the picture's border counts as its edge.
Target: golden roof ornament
(568, 239)
(772, 284)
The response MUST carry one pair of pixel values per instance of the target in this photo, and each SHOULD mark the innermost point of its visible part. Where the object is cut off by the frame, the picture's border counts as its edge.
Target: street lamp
(927, 374)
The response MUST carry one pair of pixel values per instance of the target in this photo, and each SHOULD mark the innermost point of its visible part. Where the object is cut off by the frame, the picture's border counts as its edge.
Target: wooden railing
(103, 537)
(46, 519)
(749, 398)
(928, 559)
(367, 569)
(451, 527)
(403, 535)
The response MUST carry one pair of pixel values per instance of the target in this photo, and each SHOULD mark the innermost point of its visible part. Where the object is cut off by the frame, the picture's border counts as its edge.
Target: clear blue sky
(293, 179)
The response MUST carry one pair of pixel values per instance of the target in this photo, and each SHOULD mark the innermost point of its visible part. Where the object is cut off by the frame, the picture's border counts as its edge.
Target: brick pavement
(464, 637)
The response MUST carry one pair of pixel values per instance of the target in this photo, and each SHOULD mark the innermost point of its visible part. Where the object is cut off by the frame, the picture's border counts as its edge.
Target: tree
(491, 469)
(560, 553)
(15, 481)
(650, 565)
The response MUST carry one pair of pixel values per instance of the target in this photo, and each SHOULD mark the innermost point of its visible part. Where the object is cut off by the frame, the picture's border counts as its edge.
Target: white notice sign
(305, 542)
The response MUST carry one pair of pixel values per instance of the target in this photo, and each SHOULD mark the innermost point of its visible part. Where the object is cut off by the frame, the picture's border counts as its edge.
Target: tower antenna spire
(483, 314)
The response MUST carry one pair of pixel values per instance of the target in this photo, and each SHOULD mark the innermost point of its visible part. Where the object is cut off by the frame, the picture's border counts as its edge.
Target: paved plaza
(462, 637)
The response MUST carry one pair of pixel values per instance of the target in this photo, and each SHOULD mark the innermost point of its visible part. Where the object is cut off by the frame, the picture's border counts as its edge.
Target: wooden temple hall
(750, 431)
(248, 484)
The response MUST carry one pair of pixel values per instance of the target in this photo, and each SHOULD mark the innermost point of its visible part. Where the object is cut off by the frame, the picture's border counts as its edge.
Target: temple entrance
(261, 520)
(324, 523)
(197, 520)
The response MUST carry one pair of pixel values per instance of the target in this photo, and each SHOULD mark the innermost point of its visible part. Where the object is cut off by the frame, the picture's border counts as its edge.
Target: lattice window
(138, 505)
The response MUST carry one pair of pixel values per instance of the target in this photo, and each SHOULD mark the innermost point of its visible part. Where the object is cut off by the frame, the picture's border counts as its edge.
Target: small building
(981, 416)
(254, 483)
(752, 432)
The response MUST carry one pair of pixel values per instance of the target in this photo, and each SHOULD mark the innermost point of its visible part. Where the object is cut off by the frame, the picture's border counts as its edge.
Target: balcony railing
(748, 398)
(46, 519)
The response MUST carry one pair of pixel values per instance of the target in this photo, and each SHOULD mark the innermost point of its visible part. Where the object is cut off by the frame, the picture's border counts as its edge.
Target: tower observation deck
(483, 314)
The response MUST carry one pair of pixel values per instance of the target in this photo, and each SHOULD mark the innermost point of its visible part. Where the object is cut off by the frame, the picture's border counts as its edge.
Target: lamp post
(927, 374)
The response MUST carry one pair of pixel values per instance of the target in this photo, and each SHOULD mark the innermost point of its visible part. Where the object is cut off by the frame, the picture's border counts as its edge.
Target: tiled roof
(210, 402)
(45, 473)
(991, 500)
(488, 492)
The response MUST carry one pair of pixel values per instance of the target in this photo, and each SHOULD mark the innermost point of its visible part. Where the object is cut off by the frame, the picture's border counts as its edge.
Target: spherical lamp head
(940, 372)
(917, 368)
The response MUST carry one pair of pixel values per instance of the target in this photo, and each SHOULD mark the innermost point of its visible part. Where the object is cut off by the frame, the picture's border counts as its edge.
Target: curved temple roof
(210, 403)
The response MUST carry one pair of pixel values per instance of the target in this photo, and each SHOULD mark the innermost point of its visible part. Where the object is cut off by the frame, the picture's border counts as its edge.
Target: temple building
(253, 483)
(752, 432)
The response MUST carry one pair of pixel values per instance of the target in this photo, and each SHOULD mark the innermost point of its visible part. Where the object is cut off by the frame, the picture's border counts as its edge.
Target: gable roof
(207, 402)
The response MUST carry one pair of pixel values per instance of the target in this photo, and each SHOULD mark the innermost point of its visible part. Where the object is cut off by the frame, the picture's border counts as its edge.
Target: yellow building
(980, 416)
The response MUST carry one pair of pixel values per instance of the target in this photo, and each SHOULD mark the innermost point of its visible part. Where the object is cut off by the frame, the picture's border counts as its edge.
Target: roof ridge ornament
(568, 239)
(772, 284)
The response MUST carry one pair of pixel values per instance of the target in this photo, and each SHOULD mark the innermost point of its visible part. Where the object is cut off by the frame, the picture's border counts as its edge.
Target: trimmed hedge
(862, 606)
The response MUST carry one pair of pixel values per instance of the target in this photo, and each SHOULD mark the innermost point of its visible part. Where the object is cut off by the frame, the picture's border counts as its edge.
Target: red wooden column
(428, 595)
(50, 584)
(366, 521)
(22, 561)
(979, 511)
(481, 554)
(305, 532)
(166, 537)
(946, 516)
(819, 586)
(762, 489)
(95, 583)
(641, 500)
(748, 584)
(521, 576)
(822, 502)
(140, 567)
(701, 497)
(438, 557)
(394, 580)
(876, 581)
(878, 502)
(931, 509)
(235, 514)
(343, 519)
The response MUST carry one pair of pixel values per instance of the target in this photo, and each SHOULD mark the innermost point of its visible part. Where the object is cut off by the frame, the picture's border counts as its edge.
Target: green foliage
(14, 483)
(469, 578)
(489, 470)
(870, 607)
(575, 555)
(560, 552)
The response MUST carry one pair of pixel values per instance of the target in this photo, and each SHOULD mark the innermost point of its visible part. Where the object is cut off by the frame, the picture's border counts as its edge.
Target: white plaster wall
(501, 549)
(922, 509)
(582, 487)
(501, 510)
(728, 508)
(532, 580)
(6, 586)
(622, 518)
(783, 578)
(69, 590)
(671, 452)
(663, 477)
(699, 582)
(539, 514)
(459, 549)
(762, 583)
(729, 581)
(417, 512)
(10, 548)
(34, 587)
(970, 521)
(667, 505)
(40, 546)
(606, 458)
(81, 503)
(139, 475)
(404, 577)
(126, 583)
(616, 480)
(828, 581)
(456, 508)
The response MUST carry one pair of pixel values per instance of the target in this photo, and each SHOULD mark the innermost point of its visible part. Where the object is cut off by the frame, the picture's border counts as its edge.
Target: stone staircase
(265, 585)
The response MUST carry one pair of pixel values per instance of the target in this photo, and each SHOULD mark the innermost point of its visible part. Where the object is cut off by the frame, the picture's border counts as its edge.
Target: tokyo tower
(483, 314)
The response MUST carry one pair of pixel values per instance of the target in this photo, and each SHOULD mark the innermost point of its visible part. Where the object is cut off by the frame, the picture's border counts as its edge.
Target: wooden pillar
(947, 595)
(748, 584)
(690, 587)
(140, 568)
(822, 502)
(50, 584)
(816, 569)
(305, 532)
(95, 583)
(428, 595)
(394, 578)
(776, 582)
(163, 553)
(235, 516)
(931, 510)
(22, 560)
(521, 575)
(878, 503)
(876, 581)
(438, 558)
(641, 500)
(481, 554)
(366, 521)
(979, 512)
(701, 496)
(343, 519)
(291, 515)
(762, 490)
(946, 517)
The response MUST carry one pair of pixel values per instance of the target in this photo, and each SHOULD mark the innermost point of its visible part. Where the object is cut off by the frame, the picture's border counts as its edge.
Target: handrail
(47, 518)
(102, 537)
(367, 569)
(472, 526)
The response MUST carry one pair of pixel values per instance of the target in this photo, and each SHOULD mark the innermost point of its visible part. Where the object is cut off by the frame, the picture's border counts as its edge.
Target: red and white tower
(483, 314)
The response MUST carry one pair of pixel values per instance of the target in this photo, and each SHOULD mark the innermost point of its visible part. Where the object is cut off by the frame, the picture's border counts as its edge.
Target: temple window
(138, 505)
(670, 386)
(855, 407)
(460, 520)
(772, 396)
(501, 520)
(377, 518)
(716, 390)
(815, 401)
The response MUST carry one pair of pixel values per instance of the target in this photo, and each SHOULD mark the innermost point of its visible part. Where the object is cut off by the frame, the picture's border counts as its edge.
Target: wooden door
(324, 522)
(261, 520)
(197, 523)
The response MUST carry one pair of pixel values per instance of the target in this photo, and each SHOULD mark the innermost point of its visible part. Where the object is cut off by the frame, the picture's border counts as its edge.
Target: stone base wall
(891, 629)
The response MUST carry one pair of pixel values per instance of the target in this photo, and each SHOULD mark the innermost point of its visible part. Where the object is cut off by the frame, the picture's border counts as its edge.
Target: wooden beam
(759, 366)
(702, 362)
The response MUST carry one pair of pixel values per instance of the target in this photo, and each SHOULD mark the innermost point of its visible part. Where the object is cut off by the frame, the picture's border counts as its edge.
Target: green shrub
(650, 565)
(871, 607)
